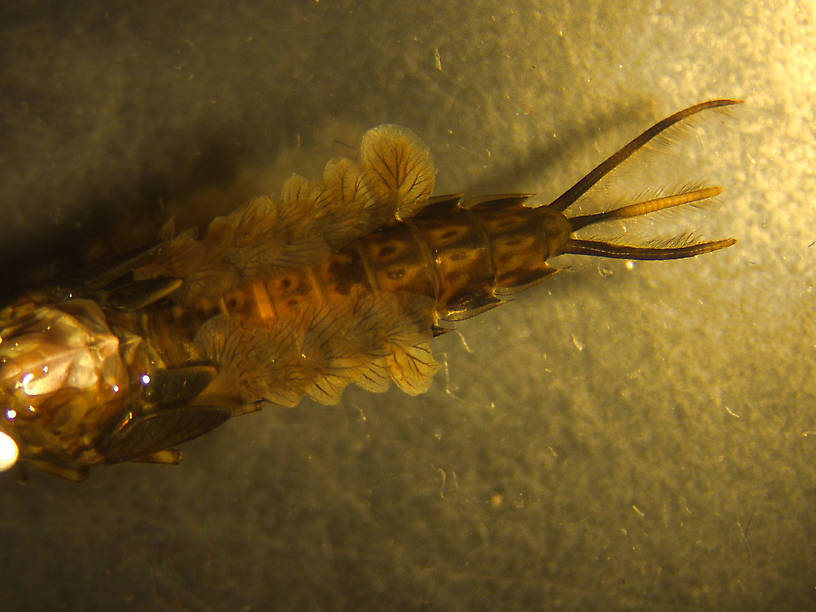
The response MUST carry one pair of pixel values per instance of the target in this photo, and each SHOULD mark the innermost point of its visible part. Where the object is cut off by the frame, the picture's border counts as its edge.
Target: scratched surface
(622, 437)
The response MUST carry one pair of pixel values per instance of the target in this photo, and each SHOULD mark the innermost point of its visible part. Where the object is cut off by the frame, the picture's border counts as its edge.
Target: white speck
(462, 339)
(116, 388)
(8, 452)
(604, 270)
(24, 382)
(11, 414)
(630, 265)
(145, 379)
(442, 486)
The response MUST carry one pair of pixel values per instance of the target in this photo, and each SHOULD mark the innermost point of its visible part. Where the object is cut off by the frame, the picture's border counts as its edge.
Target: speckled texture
(631, 439)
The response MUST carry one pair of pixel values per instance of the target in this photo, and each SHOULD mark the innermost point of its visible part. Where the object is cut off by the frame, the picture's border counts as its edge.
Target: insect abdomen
(366, 313)
(466, 259)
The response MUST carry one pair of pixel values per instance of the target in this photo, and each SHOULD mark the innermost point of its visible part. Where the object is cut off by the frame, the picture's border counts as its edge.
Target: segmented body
(344, 281)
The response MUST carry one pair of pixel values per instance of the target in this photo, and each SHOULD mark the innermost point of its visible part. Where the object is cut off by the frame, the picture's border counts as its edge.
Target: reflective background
(638, 437)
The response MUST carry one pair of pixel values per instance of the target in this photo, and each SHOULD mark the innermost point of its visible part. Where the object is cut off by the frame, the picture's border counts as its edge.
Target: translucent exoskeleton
(343, 280)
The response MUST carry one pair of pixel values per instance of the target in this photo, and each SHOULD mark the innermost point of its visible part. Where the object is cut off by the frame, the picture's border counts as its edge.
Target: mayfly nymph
(343, 280)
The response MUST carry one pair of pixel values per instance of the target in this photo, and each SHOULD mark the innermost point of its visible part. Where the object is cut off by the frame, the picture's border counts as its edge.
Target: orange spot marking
(265, 308)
